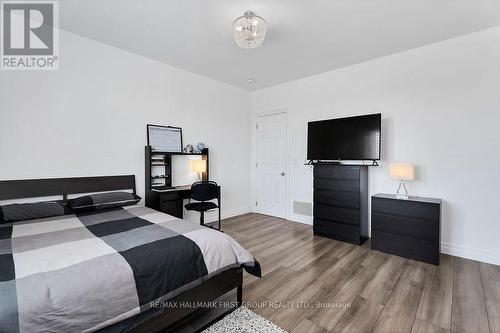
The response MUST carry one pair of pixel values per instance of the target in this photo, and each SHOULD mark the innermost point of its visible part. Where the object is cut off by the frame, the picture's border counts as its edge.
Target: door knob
(282, 173)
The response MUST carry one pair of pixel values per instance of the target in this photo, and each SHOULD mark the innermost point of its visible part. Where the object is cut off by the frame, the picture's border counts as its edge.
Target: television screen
(353, 138)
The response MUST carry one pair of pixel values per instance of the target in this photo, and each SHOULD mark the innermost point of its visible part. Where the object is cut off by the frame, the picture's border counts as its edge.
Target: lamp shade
(402, 171)
(198, 166)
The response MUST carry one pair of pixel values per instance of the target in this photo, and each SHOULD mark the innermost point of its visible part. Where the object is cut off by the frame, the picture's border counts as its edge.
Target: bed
(124, 269)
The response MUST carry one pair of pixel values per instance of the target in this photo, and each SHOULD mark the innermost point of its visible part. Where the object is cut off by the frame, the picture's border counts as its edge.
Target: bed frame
(208, 291)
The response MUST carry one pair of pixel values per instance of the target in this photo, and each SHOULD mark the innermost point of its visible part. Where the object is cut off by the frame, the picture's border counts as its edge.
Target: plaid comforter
(83, 272)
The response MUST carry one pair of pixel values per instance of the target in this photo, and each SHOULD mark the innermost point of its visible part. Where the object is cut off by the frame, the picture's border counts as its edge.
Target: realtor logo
(29, 35)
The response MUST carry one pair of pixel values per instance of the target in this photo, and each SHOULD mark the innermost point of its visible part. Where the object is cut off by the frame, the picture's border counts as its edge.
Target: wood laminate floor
(315, 284)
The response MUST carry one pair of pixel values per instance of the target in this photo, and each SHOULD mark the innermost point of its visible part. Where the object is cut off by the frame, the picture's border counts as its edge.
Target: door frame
(253, 168)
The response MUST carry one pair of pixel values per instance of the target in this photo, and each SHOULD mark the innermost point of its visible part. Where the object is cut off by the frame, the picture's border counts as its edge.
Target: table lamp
(402, 172)
(198, 166)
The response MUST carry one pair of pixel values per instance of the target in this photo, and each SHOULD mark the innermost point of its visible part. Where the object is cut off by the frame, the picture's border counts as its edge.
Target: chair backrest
(204, 191)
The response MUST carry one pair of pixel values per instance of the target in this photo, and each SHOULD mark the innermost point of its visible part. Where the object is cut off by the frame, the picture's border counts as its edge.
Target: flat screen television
(352, 138)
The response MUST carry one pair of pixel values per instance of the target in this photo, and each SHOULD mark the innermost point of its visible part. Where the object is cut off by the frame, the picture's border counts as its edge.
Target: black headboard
(32, 188)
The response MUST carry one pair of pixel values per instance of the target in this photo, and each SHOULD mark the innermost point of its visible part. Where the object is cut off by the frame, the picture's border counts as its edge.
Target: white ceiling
(305, 37)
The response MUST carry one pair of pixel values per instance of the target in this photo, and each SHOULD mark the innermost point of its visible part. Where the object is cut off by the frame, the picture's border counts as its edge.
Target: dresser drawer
(170, 196)
(338, 214)
(337, 198)
(412, 248)
(172, 204)
(337, 172)
(336, 185)
(406, 226)
(339, 231)
(172, 207)
(406, 208)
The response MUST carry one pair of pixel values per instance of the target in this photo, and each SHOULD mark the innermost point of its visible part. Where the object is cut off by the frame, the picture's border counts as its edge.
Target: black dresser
(341, 202)
(407, 227)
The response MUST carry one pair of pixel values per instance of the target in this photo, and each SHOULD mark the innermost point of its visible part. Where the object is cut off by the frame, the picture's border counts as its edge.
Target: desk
(169, 201)
(174, 189)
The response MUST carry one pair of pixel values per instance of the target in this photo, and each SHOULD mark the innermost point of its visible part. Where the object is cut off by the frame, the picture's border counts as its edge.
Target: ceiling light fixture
(249, 30)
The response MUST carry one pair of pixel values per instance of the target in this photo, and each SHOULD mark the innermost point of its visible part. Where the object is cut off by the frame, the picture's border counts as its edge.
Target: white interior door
(271, 165)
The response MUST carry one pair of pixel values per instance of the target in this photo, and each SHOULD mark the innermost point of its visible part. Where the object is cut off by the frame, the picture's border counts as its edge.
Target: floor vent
(302, 208)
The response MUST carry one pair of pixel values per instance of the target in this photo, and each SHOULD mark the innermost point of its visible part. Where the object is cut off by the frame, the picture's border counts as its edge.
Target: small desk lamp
(198, 166)
(402, 172)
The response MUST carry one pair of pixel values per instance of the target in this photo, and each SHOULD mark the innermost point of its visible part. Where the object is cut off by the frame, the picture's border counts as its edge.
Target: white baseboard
(467, 252)
(292, 217)
(213, 215)
(451, 249)
(470, 253)
(301, 219)
(236, 212)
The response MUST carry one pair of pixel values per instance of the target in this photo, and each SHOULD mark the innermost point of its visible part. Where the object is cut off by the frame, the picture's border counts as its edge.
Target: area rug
(243, 320)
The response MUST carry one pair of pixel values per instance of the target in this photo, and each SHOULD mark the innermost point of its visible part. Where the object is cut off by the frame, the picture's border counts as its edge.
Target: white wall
(440, 106)
(89, 118)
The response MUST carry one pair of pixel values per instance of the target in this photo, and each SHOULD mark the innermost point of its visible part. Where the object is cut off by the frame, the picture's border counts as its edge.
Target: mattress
(85, 272)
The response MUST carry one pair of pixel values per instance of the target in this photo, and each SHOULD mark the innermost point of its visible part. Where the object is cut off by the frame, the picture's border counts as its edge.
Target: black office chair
(202, 192)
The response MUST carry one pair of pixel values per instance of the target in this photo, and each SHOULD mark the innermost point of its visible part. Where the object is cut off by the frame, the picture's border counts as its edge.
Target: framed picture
(165, 139)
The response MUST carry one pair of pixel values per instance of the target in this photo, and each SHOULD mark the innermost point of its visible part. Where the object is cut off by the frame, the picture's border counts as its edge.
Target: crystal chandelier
(249, 30)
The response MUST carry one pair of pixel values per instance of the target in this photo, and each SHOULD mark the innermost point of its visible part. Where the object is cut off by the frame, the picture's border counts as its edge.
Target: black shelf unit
(160, 163)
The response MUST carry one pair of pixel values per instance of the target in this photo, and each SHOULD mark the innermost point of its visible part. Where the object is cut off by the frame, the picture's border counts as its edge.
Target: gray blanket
(81, 273)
